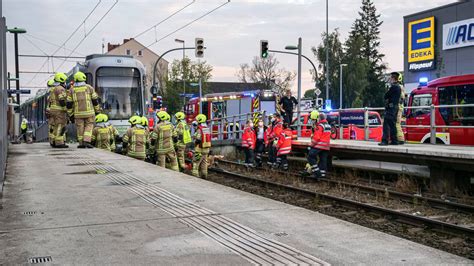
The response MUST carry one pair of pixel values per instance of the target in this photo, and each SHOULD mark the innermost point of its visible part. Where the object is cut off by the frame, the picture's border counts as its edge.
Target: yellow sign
(421, 40)
(256, 104)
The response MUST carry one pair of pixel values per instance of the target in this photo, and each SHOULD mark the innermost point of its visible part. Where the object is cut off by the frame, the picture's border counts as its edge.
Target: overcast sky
(232, 33)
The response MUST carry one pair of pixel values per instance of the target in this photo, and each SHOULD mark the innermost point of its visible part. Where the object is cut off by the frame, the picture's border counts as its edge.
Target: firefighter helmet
(163, 115)
(201, 118)
(134, 120)
(144, 121)
(79, 77)
(60, 77)
(314, 115)
(179, 115)
(101, 118)
(51, 83)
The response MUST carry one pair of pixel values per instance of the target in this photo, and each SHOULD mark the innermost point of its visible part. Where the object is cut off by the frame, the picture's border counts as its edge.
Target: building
(143, 54)
(439, 42)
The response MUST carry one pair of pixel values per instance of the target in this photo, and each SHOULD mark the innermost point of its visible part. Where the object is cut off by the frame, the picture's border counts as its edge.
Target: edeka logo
(458, 34)
(421, 34)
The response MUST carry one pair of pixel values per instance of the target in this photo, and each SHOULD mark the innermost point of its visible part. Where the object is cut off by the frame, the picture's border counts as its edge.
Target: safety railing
(3, 101)
(231, 126)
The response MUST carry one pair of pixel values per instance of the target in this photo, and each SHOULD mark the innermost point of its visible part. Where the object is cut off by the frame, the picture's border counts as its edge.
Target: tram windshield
(119, 89)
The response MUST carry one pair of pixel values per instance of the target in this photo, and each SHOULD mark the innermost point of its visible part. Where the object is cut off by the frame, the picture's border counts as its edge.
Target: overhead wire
(50, 43)
(184, 26)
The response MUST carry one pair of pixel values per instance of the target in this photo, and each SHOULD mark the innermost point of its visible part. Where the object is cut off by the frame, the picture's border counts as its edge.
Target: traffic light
(199, 50)
(263, 49)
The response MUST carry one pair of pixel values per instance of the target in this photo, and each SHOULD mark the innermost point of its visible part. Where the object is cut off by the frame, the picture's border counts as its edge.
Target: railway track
(400, 216)
(380, 192)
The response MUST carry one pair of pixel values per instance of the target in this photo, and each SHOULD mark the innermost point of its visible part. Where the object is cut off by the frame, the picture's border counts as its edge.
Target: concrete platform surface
(447, 151)
(96, 207)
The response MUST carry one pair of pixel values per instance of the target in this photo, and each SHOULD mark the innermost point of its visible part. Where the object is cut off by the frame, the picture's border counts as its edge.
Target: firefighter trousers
(59, 120)
(180, 149)
(84, 128)
(249, 154)
(171, 157)
(400, 136)
(271, 154)
(200, 164)
(318, 168)
(259, 150)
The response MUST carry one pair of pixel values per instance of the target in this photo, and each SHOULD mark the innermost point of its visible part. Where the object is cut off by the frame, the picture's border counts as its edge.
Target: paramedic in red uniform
(283, 147)
(248, 143)
(320, 141)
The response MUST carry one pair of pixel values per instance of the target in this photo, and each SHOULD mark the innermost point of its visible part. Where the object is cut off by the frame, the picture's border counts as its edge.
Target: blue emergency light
(423, 81)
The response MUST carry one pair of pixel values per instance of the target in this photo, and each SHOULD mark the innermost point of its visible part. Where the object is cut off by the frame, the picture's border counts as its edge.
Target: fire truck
(453, 90)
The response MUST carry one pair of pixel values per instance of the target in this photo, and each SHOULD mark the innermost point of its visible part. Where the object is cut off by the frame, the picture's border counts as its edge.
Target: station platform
(76, 206)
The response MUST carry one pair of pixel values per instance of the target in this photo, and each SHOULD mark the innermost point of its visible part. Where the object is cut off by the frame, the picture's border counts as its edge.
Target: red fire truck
(454, 90)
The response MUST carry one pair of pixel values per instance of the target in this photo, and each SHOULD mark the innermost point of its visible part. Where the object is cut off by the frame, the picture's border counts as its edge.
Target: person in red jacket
(277, 129)
(269, 142)
(283, 147)
(248, 143)
(320, 141)
(262, 140)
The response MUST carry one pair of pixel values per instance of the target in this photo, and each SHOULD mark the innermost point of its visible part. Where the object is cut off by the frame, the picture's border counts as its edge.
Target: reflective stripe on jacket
(203, 135)
(321, 136)
(57, 99)
(249, 138)
(137, 138)
(163, 136)
(82, 101)
(284, 142)
(103, 136)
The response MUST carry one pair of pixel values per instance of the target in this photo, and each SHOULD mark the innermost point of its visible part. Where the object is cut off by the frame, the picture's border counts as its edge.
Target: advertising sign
(421, 43)
(458, 34)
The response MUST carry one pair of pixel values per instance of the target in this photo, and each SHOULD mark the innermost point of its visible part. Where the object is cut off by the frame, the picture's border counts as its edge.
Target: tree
(355, 74)
(266, 72)
(335, 59)
(174, 82)
(367, 28)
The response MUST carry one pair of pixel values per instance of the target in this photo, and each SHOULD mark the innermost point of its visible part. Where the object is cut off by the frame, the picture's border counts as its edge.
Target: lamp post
(340, 84)
(182, 65)
(15, 32)
(327, 50)
(298, 115)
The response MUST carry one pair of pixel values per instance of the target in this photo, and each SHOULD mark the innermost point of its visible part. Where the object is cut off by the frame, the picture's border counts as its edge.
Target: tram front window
(119, 89)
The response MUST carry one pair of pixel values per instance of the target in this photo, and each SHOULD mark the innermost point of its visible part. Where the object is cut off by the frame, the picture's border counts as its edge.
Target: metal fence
(230, 127)
(3, 102)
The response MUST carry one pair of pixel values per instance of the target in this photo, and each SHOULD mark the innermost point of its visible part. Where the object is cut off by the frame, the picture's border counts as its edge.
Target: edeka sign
(421, 42)
(458, 34)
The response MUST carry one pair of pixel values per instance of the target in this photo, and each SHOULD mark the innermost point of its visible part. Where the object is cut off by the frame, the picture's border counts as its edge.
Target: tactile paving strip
(238, 238)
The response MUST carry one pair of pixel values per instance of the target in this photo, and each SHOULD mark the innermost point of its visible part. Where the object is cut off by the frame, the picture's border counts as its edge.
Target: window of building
(129, 52)
(140, 52)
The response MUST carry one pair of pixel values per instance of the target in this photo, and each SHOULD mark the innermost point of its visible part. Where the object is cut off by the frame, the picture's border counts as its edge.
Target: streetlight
(327, 50)
(15, 32)
(182, 65)
(292, 47)
(340, 84)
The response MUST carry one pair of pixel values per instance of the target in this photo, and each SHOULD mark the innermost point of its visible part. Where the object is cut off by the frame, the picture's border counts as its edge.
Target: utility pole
(298, 109)
(327, 49)
(340, 84)
(15, 32)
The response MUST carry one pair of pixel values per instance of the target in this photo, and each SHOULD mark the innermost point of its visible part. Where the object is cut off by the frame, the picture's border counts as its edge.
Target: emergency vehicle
(453, 90)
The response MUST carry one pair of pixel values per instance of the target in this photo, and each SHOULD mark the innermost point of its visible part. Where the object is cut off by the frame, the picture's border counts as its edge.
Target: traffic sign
(318, 92)
(23, 91)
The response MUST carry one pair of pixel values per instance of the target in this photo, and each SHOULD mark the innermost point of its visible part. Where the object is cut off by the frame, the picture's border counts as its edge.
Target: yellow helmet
(101, 118)
(179, 115)
(60, 77)
(134, 120)
(314, 115)
(79, 76)
(144, 121)
(51, 83)
(201, 118)
(163, 116)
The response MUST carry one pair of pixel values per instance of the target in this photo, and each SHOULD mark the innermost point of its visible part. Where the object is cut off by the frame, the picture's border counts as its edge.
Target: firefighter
(24, 128)
(135, 139)
(277, 129)
(115, 134)
(57, 110)
(261, 141)
(102, 135)
(320, 141)
(248, 143)
(270, 139)
(202, 145)
(283, 146)
(392, 102)
(51, 85)
(161, 141)
(184, 138)
(398, 125)
(82, 105)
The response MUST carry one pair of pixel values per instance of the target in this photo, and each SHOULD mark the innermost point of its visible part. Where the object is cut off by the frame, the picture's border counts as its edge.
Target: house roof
(111, 47)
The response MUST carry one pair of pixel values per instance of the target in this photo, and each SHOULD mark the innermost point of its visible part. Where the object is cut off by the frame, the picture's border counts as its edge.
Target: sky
(232, 33)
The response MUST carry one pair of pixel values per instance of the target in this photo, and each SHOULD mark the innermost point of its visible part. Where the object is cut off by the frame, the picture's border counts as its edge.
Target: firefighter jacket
(249, 138)
(136, 138)
(277, 130)
(162, 137)
(269, 135)
(57, 99)
(24, 124)
(115, 135)
(202, 139)
(184, 133)
(284, 142)
(102, 136)
(82, 101)
(321, 136)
